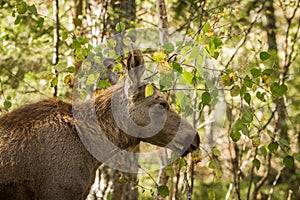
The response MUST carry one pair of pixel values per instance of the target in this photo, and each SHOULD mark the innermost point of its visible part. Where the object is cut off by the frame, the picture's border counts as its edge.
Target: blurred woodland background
(249, 147)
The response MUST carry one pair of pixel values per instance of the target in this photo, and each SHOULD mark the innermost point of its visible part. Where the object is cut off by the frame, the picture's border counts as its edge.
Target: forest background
(242, 94)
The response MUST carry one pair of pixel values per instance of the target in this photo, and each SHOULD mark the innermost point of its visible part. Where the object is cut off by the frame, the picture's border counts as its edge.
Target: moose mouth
(183, 150)
(190, 149)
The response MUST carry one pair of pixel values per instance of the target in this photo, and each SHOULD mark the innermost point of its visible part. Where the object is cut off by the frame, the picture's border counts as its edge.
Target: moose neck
(104, 111)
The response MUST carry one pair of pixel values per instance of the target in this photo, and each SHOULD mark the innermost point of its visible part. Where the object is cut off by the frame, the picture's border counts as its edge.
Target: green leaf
(284, 142)
(40, 22)
(168, 47)
(163, 190)
(235, 136)
(278, 90)
(177, 67)
(273, 146)
(213, 164)
(83, 40)
(255, 141)
(166, 81)
(33, 9)
(92, 77)
(120, 27)
(264, 55)
(247, 116)
(206, 99)
(255, 72)
(117, 68)
(75, 44)
(7, 104)
(169, 171)
(21, 7)
(194, 52)
(297, 156)
(109, 196)
(61, 66)
(54, 82)
(263, 151)
(217, 42)
(149, 90)
(268, 71)
(71, 69)
(237, 126)
(64, 35)
(243, 90)
(17, 20)
(288, 161)
(247, 82)
(188, 76)
(256, 163)
(111, 43)
(282, 89)
(182, 162)
(247, 98)
(235, 90)
(245, 130)
(102, 84)
(206, 27)
(216, 152)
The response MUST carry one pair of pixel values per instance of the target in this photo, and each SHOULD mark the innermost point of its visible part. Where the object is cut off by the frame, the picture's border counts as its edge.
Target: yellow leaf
(149, 90)
(266, 79)
(164, 67)
(159, 56)
(197, 160)
(265, 117)
(210, 33)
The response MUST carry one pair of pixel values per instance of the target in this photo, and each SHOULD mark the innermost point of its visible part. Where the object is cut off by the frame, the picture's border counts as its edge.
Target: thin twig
(187, 187)
(274, 184)
(251, 176)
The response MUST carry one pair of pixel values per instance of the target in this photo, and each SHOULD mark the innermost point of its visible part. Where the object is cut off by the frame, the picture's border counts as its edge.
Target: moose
(43, 157)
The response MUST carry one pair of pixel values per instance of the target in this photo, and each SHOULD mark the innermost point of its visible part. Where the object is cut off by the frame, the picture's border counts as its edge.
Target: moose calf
(43, 157)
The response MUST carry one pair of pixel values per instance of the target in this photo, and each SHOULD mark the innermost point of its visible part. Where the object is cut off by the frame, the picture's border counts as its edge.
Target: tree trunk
(163, 37)
(124, 184)
(56, 44)
(77, 23)
(163, 21)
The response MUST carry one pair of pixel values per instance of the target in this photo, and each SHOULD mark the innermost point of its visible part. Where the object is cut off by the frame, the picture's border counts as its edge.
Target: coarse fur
(42, 156)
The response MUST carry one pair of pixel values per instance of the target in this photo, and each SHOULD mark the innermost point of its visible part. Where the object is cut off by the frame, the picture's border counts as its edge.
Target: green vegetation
(233, 73)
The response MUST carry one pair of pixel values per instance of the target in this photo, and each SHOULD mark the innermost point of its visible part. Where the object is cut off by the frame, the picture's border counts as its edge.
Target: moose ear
(135, 67)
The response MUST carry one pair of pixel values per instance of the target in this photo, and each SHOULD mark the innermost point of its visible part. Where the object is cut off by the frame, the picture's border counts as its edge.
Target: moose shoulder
(43, 157)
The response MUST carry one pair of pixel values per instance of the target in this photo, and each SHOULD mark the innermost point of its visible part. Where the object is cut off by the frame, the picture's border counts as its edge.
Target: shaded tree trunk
(281, 125)
(56, 45)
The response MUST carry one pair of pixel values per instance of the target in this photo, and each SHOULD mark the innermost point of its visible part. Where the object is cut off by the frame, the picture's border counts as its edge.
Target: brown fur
(42, 156)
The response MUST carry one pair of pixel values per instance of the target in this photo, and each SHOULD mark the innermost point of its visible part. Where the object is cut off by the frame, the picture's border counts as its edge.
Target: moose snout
(195, 144)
